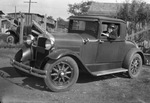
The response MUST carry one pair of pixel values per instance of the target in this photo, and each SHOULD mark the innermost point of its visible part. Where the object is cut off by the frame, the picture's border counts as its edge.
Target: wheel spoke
(132, 70)
(63, 79)
(66, 68)
(54, 74)
(59, 67)
(135, 70)
(59, 81)
(63, 66)
(55, 78)
(67, 77)
(69, 72)
(55, 70)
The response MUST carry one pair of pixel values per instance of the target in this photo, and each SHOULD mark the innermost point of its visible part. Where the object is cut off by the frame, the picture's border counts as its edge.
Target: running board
(118, 70)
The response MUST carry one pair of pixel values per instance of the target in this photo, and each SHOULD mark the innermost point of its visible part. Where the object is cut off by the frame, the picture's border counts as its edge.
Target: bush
(8, 45)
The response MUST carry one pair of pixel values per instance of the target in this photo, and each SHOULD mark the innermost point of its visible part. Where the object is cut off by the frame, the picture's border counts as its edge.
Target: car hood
(71, 41)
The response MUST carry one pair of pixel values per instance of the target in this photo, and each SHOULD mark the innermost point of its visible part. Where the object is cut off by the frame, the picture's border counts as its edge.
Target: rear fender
(131, 53)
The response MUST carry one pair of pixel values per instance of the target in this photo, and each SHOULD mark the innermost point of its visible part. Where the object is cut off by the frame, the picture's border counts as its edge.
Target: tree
(61, 23)
(50, 18)
(79, 8)
(137, 13)
(124, 11)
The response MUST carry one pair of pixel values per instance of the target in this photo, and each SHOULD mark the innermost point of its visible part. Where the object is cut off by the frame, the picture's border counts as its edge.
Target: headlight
(29, 40)
(48, 44)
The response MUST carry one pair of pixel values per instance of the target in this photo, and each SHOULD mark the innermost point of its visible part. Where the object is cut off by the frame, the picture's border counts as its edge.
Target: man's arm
(105, 34)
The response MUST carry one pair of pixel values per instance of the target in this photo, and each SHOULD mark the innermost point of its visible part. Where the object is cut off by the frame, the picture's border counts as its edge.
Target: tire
(61, 74)
(134, 65)
(10, 39)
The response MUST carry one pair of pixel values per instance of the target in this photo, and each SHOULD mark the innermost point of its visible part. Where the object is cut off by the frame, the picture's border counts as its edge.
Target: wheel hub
(61, 74)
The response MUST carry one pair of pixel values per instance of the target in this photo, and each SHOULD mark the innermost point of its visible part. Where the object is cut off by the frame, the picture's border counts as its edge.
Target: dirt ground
(116, 88)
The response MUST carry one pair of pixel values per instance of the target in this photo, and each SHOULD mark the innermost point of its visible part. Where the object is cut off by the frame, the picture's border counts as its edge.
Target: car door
(89, 49)
(108, 54)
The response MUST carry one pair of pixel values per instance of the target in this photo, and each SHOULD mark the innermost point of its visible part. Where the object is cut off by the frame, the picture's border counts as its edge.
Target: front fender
(24, 54)
(56, 54)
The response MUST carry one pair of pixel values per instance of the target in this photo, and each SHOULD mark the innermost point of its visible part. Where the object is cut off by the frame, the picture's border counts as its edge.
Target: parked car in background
(59, 58)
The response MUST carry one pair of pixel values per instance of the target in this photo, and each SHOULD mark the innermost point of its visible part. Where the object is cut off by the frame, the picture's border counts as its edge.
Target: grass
(7, 52)
(8, 45)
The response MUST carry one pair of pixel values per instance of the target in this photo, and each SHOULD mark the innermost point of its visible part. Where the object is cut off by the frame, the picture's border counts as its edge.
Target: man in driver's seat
(111, 32)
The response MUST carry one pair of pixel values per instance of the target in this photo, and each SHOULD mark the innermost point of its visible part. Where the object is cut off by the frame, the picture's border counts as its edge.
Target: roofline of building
(98, 17)
(27, 13)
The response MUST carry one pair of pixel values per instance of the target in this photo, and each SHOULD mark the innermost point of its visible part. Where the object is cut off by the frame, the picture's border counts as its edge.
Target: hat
(111, 26)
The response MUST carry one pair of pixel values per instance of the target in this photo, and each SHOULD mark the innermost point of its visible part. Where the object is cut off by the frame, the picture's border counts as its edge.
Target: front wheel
(61, 74)
(134, 66)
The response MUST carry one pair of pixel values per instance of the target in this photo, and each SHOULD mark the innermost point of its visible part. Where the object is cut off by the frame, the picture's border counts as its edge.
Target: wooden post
(45, 22)
(21, 29)
(0, 24)
(56, 27)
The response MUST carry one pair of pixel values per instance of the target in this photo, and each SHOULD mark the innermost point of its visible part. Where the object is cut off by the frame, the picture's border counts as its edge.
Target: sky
(54, 8)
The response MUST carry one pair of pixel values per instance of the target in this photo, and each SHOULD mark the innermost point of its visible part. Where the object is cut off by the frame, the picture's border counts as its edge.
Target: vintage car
(58, 58)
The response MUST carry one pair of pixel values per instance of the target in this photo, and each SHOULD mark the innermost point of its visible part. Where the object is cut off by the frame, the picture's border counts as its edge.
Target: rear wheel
(134, 65)
(61, 74)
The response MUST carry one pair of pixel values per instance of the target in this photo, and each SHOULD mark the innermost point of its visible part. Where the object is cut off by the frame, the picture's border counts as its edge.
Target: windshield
(80, 26)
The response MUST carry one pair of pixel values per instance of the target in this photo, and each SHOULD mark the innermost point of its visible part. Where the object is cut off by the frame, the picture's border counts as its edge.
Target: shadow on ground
(31, 82)
(85, 78)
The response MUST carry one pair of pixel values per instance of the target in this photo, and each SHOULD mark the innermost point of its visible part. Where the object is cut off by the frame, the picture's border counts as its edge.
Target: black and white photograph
(74, 51)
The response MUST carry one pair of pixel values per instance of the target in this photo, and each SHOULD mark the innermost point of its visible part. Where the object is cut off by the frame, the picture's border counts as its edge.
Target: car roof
(95, 18)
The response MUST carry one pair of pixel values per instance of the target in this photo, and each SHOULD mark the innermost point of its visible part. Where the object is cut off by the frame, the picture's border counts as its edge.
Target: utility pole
(29, 4)
(21, 29)
(15, 13)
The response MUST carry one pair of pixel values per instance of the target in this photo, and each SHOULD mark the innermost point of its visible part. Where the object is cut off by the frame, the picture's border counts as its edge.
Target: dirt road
(115, 88)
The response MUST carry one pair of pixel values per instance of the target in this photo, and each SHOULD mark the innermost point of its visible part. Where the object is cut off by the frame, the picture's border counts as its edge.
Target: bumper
(30, 70)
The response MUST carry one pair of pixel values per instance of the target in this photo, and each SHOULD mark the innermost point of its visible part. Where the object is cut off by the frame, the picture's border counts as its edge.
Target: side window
(106, 29)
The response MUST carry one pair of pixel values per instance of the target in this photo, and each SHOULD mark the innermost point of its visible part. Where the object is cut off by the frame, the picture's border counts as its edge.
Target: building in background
(28, 18)
(1, 13)
(104, 9)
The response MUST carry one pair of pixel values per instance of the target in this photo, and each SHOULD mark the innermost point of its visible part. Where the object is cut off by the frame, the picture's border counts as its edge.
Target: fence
(147, 56)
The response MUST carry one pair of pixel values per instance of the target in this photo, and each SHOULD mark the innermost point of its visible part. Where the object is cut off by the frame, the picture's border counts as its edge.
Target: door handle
(85, 41)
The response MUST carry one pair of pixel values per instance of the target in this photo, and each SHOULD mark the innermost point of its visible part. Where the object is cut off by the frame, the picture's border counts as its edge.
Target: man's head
(111, 27)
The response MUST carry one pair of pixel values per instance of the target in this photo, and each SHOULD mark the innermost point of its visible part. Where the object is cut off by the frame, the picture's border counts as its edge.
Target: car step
(105, 72)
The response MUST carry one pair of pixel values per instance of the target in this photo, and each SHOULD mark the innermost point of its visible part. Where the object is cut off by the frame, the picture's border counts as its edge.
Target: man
(110, 33)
